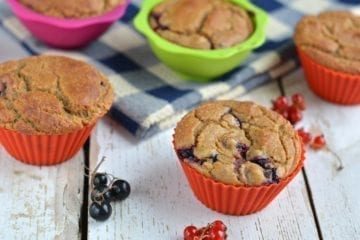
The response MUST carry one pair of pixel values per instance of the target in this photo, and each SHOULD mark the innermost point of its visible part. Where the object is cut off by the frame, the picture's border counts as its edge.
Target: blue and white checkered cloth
(149, 96)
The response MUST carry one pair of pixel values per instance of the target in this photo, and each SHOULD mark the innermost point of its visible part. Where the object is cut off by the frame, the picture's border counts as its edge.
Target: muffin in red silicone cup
(48, 107)
(328, 47)
(237, 156)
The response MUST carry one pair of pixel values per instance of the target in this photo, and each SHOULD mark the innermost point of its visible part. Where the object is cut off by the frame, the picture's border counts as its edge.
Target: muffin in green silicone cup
(201, 64)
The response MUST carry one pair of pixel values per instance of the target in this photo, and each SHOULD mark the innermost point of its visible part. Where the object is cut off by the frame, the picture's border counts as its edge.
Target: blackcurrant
(100, 194)
(120, 189)
(100, 211)
(100, 179)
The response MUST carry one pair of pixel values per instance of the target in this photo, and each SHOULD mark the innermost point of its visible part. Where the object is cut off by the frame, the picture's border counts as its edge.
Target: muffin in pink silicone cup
(237, 156)
(68, 23)
(48, 107)
(328, 47)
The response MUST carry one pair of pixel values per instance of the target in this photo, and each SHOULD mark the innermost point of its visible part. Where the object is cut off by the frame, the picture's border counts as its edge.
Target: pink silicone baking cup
(331, 85)
(43, 149)
(66, 33)
(235, 200)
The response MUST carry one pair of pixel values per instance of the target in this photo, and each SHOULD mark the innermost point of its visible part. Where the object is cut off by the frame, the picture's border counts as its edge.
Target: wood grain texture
(161, 203)
(335, 193)
(40, 202)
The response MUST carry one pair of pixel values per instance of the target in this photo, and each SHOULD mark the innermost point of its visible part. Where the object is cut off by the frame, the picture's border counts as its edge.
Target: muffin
(48, 106)
(201, 24)
(328, 46)
(70, 8)
(237, 156)
(199, 64)
(68, 24)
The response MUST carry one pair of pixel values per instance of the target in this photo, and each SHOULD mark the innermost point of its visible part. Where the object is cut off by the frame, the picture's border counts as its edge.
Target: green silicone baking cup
(201, 65)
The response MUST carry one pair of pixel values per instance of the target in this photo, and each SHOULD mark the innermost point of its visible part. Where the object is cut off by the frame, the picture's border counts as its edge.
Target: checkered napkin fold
(149, 96)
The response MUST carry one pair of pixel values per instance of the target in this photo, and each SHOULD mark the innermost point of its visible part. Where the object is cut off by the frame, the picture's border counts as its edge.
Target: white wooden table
(321, 203)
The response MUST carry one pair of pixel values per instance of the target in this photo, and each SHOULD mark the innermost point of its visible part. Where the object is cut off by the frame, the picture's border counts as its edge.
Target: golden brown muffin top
(51, 95)
(71, 8)
(238, 143)
(201, 24)
(332, 39)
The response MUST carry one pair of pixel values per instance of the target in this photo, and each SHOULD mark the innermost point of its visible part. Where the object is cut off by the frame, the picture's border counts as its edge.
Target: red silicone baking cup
(331, 85)
(43, 149)
(235, 200)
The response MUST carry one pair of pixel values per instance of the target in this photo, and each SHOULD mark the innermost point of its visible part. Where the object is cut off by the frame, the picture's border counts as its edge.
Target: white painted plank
(161, 203)
(40, 202)
(335, 193)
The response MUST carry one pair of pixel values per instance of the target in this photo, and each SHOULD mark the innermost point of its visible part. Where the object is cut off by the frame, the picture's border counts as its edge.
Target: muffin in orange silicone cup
(237, 156)
(48, 107)
(328, 47)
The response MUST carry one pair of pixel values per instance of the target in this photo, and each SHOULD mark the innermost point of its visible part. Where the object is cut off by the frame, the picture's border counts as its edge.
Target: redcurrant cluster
(213, 231)
(291, 112)
(106, 188)
(316, 143)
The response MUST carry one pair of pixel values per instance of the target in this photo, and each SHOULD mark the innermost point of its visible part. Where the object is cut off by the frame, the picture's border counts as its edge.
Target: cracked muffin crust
(239, 143)
(51, 95)
(70, 8)
(201, 24)
(332, 39)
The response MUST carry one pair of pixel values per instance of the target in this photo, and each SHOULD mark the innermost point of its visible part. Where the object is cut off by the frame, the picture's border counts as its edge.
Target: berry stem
(338, 159)
(94, 171)
(96, 168)
(204, 233)
(112, 178)
(98, 165)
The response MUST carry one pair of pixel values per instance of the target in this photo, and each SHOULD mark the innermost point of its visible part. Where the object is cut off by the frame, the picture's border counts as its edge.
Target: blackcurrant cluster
(105, 188)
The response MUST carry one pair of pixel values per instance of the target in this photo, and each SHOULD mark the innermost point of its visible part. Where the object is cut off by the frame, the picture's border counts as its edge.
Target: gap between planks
(303, 171)
(83, 221)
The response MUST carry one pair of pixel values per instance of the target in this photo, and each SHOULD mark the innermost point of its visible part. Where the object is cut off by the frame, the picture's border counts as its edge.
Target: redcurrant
(318, 142)
(305, 136)
(218, 225)
(298, 101)
(190, 232)
(200, 233)
(295, 115)
(285, 115)
(280, 104)
(216, 234)
(213, 231)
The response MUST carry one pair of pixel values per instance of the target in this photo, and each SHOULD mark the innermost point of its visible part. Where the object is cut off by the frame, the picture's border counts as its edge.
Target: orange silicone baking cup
(235, 200)
(43, 149)
(331, 85)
